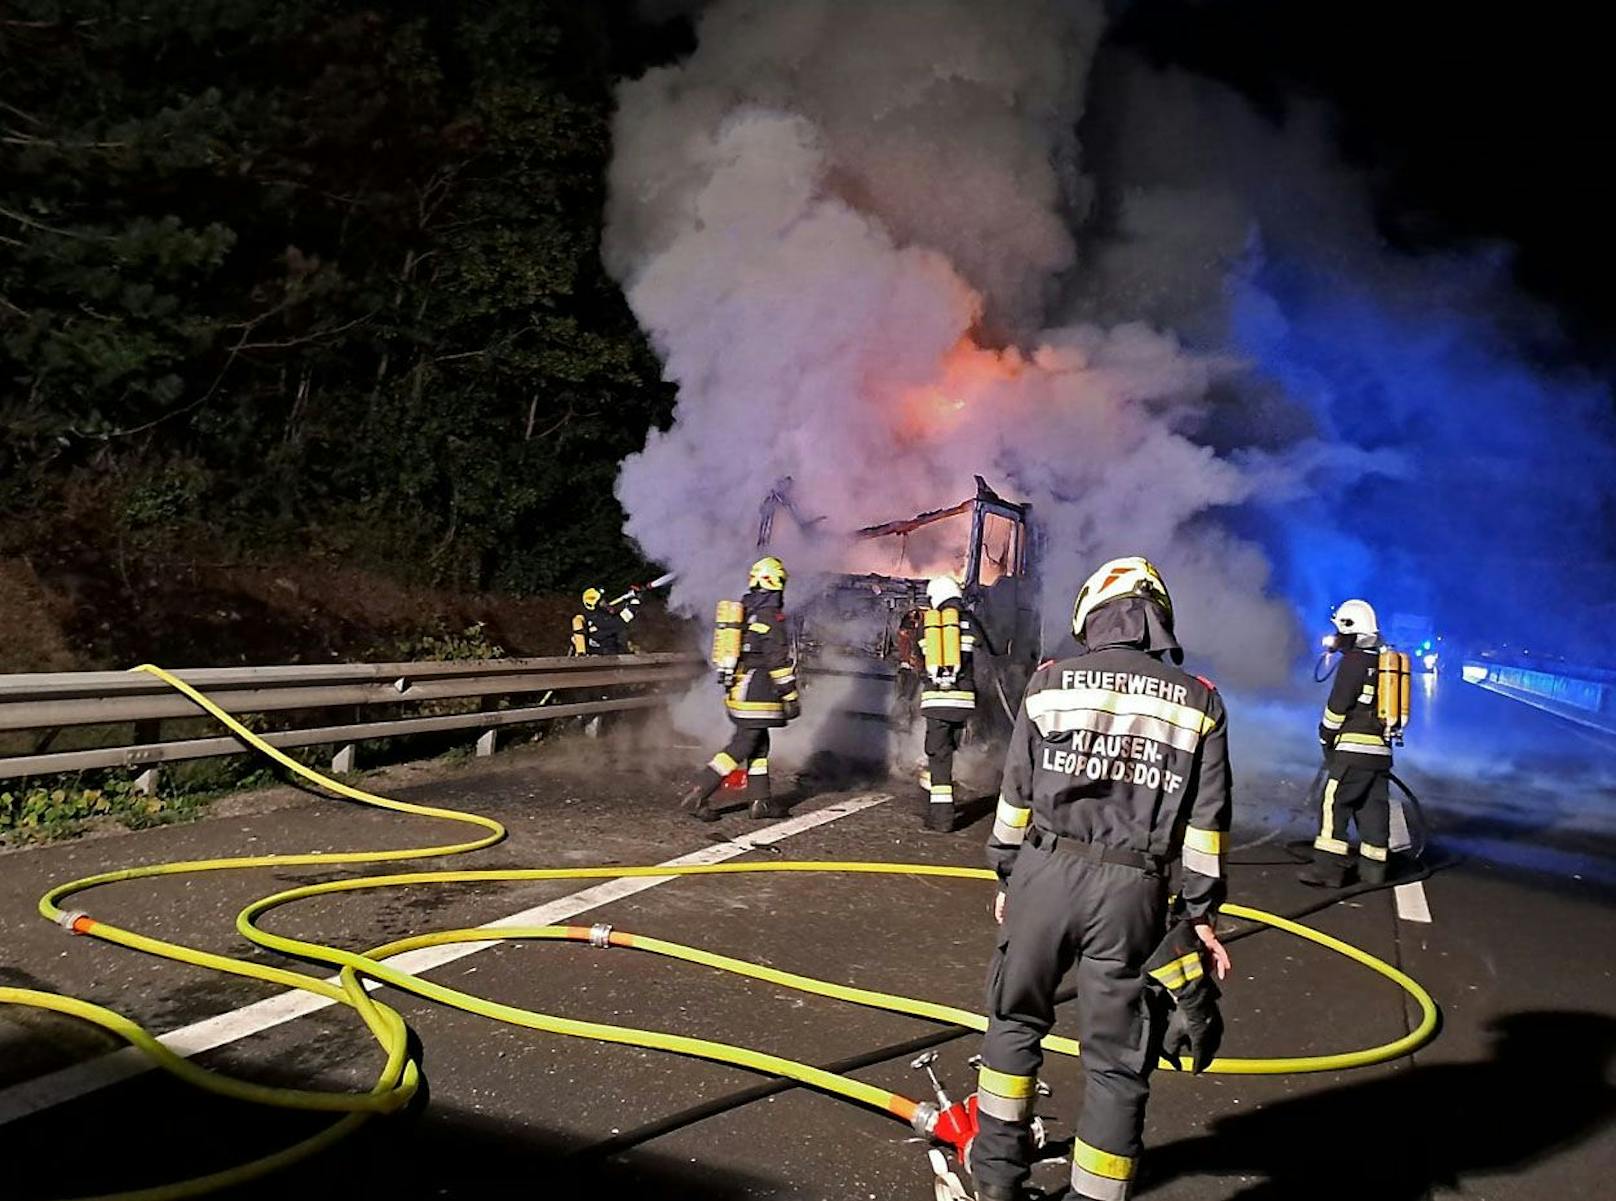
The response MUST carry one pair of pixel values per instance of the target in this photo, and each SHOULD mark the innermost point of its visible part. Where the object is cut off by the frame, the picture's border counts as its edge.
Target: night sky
(1473, 128)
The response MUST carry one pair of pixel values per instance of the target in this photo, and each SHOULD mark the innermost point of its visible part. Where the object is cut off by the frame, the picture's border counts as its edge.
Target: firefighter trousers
(1105, 919)
(748, 747)
(1359, 793)
(942, 740)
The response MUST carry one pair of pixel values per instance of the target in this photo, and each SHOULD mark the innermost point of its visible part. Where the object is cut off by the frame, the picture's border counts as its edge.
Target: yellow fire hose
(399, 1077)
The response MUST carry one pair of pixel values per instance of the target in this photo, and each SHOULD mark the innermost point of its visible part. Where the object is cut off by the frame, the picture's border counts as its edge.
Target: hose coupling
(925, 1119)
(600, 935)
(74, 920)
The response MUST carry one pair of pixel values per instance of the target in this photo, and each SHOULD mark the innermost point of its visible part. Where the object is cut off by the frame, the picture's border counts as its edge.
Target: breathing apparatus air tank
(727, 625)
(1392, 694)
(941, 644)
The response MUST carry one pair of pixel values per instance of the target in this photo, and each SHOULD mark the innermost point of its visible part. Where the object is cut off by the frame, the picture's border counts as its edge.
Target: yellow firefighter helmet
(592, 597)
(767, 573)
(1130, 576)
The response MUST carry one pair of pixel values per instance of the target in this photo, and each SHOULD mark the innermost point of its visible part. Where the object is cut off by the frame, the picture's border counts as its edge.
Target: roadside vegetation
(295, 284)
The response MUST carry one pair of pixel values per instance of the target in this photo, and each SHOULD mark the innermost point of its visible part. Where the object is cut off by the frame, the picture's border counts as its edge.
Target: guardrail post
(485, 744)
(146, 782)
(343, 761)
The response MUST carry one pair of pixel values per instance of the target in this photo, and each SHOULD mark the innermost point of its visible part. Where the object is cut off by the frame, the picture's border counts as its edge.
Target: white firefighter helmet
(1130, 576)
(767, 573)
(940, 588)
(1356, 617)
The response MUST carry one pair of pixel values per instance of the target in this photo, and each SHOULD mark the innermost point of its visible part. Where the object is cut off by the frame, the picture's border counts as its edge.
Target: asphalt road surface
(1514, 1100)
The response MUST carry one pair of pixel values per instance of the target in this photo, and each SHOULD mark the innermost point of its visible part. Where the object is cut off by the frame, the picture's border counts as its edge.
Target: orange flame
(964, 375)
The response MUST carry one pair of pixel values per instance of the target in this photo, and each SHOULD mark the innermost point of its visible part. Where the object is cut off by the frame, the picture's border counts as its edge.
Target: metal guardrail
(1585, 702)
(49, 702)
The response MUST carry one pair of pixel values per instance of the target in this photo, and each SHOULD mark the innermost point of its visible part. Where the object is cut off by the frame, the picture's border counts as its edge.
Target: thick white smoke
(843, 225)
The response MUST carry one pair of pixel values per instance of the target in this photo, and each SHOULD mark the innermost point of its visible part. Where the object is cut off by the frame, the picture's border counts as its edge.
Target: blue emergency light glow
(1453, 415)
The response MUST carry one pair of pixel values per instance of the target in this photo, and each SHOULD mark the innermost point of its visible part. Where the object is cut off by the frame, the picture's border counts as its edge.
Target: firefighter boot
(939, 817)
(694, 801)
(759, 793)
(1371, 871)
(1327, 870)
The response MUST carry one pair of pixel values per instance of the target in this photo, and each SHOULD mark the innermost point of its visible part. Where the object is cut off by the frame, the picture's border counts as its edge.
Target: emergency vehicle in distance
(1416, 634)
(864, 625)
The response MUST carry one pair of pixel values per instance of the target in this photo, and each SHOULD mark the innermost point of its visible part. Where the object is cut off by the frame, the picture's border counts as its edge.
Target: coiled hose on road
(399, 1076)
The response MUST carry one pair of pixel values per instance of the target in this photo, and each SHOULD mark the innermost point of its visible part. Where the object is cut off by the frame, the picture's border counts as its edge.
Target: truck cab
(863, 625)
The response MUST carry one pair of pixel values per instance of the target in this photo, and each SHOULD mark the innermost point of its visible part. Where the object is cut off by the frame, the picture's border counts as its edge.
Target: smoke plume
(843, 225)
(871, 253)
(1467, 458)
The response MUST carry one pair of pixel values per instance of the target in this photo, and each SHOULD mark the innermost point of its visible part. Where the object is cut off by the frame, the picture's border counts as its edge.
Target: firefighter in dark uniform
(948, 700)
(1118, 763)
(760, 695)
(601, 629)
(1357, 758)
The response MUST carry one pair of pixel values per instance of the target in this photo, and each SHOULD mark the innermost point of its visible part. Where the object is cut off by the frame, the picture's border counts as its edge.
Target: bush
(440, 645)
(41, 813)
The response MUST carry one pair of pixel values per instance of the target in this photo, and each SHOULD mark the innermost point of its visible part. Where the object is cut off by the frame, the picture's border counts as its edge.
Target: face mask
(1337, 641)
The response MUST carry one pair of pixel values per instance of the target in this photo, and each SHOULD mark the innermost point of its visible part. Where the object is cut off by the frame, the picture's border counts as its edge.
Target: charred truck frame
(864, 626)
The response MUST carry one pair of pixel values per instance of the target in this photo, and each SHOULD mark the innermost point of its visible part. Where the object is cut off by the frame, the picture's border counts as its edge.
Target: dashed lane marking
(1412, 905)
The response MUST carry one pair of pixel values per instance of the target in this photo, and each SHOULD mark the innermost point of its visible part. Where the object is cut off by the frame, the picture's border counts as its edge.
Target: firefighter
(949, 697)
(600, 629)
(1357, 758)
(1118, 763)
(760, 694)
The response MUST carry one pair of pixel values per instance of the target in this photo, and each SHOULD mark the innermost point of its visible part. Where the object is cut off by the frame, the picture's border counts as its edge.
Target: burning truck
(863, 623)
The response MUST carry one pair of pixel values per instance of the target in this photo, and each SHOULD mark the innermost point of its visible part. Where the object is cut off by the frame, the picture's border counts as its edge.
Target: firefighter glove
(1195, 1030)
(1177, 971)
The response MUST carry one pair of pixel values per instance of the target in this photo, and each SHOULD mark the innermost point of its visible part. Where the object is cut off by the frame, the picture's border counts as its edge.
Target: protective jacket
(601, 631)
(957, 701)
(1351, 731)
(1121, 753)
(764, 691)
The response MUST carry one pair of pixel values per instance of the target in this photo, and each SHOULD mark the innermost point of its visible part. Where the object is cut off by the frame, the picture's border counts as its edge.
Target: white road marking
(1412, 905)
(80, 1079)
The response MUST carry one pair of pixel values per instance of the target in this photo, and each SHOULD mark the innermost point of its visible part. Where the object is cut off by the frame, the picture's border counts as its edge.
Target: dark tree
(292, 275)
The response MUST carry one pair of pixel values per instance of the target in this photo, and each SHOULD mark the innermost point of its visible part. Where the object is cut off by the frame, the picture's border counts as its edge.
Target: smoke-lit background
(883, 247)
